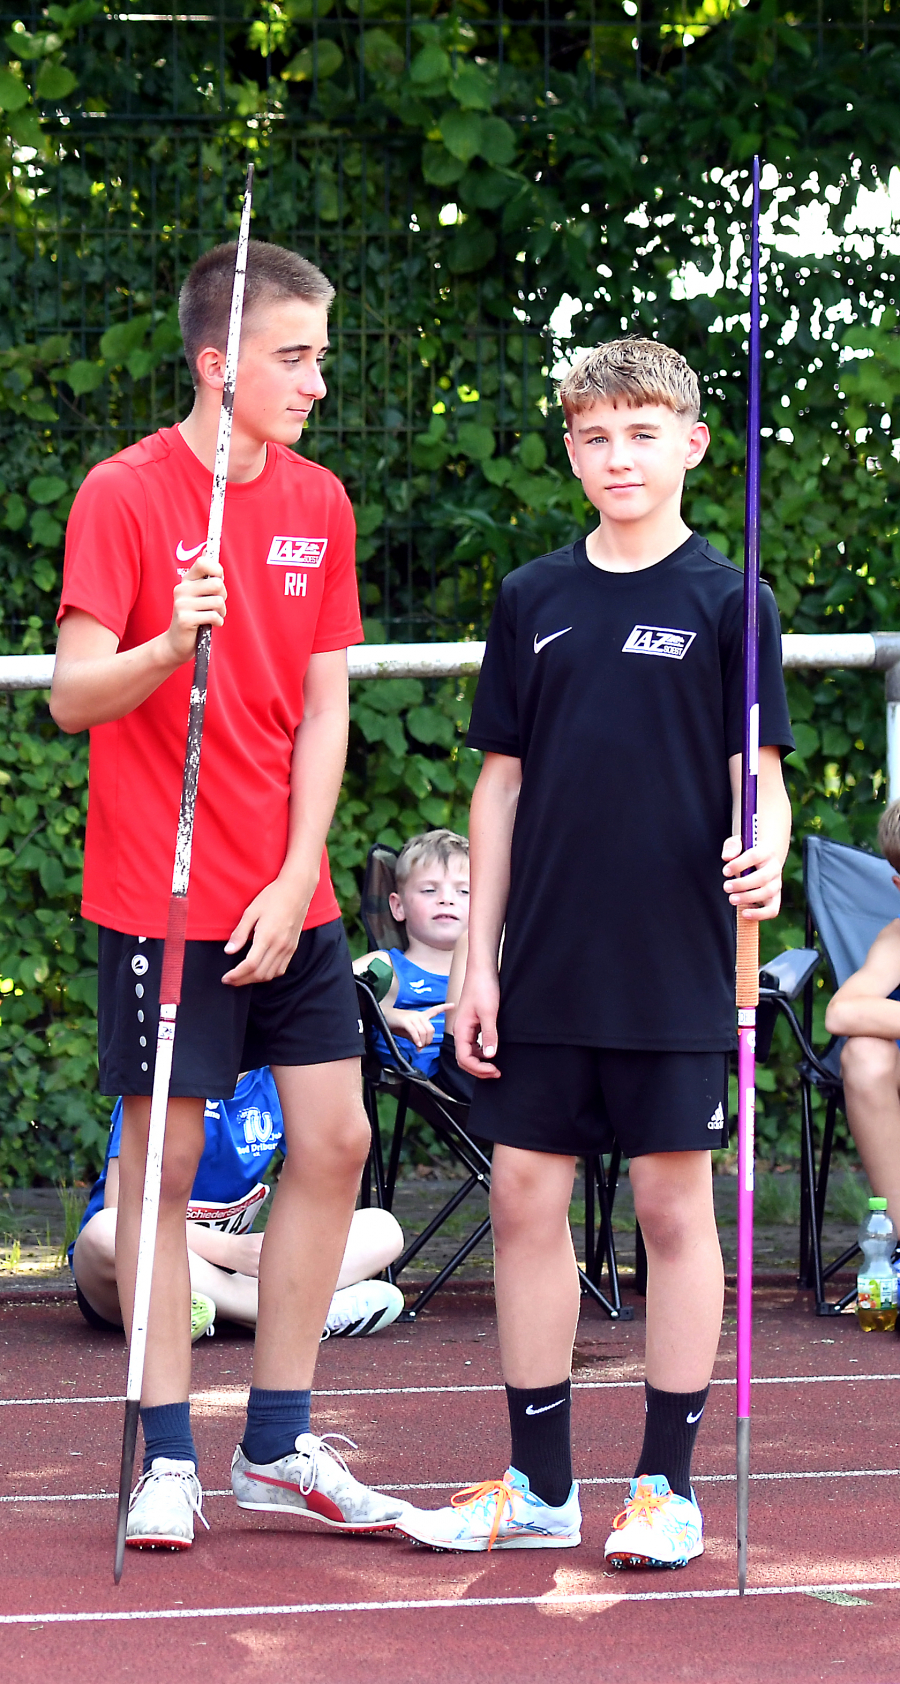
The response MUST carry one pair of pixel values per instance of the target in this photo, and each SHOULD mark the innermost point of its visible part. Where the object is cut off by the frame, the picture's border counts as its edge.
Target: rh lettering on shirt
(658, 640)
(295, 584)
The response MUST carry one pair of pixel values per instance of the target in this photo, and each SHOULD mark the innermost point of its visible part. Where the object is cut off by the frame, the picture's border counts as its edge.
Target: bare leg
(375, 1239)
(94, 1264)
(167, 1368)
(685, 1282)
(535, 1273)
(327, 1140)
(870, 1067)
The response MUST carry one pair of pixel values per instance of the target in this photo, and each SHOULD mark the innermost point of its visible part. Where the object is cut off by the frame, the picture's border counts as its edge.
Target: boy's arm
(758, 895)
(275, 916)
(491, 822)
(861, 1006)
(94, 681)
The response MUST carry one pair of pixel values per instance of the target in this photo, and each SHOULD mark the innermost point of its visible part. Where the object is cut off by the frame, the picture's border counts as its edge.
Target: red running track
(267, 1599)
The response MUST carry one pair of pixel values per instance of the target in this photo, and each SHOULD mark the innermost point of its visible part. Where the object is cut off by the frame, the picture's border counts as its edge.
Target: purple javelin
(748, 932)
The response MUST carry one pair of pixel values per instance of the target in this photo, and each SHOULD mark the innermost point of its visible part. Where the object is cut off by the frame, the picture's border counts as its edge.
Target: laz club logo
(658, 640)
(297, 552)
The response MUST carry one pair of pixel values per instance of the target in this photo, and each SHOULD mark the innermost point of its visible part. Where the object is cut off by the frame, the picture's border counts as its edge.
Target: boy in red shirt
(267, 974)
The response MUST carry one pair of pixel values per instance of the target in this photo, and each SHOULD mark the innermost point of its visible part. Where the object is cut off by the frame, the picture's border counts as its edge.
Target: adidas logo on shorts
(717, 1120)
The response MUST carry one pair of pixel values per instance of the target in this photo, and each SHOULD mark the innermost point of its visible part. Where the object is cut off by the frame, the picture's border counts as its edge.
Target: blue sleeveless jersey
(242, 1136)
(417, 990)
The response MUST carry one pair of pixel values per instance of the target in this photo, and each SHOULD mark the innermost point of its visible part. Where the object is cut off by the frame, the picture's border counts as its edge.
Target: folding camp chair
(849, 898)
(446, 1113)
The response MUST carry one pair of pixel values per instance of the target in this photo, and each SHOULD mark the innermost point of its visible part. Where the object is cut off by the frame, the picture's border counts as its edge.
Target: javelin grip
(747, 988)
(173, 952)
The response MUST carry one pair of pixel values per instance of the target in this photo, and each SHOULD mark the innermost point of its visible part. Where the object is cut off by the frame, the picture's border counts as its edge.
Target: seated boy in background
(432, 900)
(867, 1011)
(243, 1134)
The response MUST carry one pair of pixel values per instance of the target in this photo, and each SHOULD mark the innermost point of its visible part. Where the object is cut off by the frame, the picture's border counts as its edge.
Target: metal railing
(877, 651)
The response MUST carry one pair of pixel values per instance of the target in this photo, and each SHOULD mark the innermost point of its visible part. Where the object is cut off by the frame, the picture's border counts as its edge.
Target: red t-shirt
(136, 524)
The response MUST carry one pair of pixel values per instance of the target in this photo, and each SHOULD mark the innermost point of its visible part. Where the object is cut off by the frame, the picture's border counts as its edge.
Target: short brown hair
(204, 302)
(634, 371)
(889, 834)
(431, 845)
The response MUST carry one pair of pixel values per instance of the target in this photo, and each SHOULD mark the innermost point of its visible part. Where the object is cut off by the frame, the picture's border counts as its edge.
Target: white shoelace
(308, 1478)
(190, 1485)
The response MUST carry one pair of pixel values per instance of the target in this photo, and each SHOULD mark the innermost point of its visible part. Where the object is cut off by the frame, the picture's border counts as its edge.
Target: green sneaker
(203, 1316)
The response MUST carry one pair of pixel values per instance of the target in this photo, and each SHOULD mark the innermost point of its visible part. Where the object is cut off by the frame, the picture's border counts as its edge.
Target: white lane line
(568, 1599)
(239, 1394)
(449, 1485)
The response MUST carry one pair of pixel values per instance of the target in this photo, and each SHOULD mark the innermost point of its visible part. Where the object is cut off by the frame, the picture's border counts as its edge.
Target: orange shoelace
(642, 1506)
(499, 1489)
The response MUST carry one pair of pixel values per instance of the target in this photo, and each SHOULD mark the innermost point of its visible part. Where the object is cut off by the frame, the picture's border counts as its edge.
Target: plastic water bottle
(876, 1282)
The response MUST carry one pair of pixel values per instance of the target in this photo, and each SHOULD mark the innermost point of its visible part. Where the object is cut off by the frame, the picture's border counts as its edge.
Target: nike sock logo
(530, 1409)
(693, 1419)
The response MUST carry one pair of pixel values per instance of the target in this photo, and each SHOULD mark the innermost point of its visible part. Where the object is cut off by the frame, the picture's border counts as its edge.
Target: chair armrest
(789, 973)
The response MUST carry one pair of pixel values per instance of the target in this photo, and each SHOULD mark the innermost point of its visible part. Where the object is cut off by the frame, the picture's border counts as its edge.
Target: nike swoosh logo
(181, 554)
(539, 644)
(530, 1409)
(691, 1419)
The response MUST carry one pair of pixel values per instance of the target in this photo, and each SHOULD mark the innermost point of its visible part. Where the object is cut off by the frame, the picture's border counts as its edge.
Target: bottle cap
(878, 1204)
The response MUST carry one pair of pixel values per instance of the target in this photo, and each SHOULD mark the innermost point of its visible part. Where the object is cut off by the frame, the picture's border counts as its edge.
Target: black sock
(167, 1432)
(669, 1434)
(539, 1424)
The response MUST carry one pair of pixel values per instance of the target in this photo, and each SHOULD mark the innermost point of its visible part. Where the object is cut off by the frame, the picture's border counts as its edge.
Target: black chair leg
(591, 1169)
(814, 1276)
(640, 1262)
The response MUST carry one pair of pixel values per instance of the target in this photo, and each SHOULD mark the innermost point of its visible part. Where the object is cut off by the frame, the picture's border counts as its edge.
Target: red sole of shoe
(158, 1543)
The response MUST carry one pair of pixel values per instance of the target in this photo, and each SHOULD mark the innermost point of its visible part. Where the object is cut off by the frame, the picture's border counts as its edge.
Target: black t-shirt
(621, 694)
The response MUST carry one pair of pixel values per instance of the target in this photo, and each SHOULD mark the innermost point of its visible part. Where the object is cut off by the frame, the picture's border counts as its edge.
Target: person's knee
(869, 1063)
(95, 1248)
(336, 1151)
(673, 1206)
(525, 1200)
(376, 1237)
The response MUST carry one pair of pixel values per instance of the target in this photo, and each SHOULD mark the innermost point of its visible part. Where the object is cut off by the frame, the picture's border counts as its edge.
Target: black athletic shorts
(580, 1100)
(93, 1317)
(307, 1016)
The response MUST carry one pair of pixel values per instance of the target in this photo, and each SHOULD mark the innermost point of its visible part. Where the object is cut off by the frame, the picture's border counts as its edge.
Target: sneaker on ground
(162, 1506)
(499, 1514)
(203, 1316)
(364, 1308)
(656, 1528)
(314, 1480)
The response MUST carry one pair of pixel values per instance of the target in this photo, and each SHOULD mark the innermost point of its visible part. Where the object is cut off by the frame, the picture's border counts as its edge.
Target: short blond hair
(889, 834)
(437, 845)
(632, 371)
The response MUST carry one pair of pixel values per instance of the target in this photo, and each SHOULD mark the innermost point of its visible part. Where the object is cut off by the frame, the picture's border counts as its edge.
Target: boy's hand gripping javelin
(748, 929)
(176, 929)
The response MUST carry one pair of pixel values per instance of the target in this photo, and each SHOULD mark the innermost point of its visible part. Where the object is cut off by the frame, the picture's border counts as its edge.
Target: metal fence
(873, 651)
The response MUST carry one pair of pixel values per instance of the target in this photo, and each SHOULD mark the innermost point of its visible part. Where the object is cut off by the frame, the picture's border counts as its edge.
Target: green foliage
(455, 194)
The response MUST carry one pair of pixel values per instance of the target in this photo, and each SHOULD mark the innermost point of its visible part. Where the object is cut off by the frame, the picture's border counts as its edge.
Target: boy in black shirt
(609, 707)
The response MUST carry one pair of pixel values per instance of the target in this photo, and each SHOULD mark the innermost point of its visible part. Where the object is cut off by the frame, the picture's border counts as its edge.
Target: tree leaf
(472, 248)
(461, 132)
(13, 92)
(85, 377)
(430, 65)
(472, 88)
(118, 342)
(54, 81)
(46, 488)
(322, 60)
(439, 166)
(497, 144)
(476, 442)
